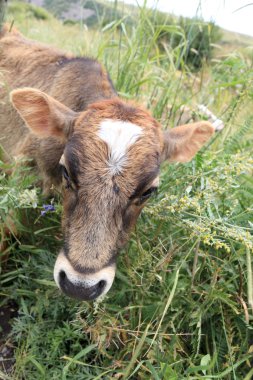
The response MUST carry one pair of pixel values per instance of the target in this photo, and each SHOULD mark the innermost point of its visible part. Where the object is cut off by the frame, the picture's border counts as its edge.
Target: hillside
(88, 11)
(231, 41)
(92, 12)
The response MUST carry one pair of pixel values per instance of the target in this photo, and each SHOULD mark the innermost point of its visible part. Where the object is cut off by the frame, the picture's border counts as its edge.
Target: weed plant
(181, 306)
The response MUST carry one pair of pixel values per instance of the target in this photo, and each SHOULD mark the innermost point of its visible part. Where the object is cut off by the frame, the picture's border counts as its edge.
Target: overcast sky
(226, 13)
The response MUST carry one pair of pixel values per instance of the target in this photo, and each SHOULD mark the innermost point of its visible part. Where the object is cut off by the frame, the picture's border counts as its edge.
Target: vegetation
(25, 10)
(2, 12)
(195, 39)
(103, 12)
(182, 303)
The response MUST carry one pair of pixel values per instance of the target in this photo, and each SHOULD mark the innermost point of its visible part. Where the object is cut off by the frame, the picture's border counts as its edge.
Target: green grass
(181, 304)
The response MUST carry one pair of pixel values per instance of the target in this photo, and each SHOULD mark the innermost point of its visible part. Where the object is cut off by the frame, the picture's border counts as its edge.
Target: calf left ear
(44, 115)
(183, 142)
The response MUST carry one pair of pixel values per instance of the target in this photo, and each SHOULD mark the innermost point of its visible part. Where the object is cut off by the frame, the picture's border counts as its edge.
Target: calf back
(75, 82)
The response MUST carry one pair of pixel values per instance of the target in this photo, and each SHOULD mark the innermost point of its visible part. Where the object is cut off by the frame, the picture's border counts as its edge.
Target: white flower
(28, 198)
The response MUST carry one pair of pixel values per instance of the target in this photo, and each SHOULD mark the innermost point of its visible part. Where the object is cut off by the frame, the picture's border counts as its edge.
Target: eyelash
(66, 177)
(147, 194)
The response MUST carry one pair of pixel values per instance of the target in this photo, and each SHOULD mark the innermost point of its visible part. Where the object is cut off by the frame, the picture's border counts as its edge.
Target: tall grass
(181, 305)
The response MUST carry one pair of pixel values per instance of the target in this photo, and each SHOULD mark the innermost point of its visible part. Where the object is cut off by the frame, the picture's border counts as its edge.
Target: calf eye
(65, 173)
(66, 176)
(148, 193)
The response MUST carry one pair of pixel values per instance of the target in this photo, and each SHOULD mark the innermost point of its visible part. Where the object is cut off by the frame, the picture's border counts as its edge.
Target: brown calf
(104, 153)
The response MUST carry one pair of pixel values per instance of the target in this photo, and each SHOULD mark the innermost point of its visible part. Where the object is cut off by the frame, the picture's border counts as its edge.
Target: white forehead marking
(119, 135)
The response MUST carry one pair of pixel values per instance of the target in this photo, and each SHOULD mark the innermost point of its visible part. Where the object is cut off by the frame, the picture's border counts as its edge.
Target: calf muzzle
(82, 286)
(80, 290)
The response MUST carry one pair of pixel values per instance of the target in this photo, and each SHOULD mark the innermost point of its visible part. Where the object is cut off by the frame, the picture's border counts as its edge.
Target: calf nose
(79, 285)
(80, 290)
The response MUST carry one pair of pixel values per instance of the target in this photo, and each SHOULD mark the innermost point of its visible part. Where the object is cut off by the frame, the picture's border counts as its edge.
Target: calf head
(110, 167)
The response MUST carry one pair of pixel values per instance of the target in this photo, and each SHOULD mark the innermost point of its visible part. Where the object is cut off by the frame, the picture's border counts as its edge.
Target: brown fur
(75, 96)
(75, 82)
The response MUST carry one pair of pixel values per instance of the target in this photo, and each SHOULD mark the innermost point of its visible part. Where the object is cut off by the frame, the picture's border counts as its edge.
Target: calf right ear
(44, 115)
(180, 144)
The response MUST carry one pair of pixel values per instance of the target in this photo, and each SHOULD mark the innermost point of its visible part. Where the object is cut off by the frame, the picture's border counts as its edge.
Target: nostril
(101, 284)
(83, 288)
(62, 275)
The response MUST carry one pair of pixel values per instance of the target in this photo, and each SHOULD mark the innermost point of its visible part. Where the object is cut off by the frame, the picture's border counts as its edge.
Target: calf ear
(44, 115)
(182, 143)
